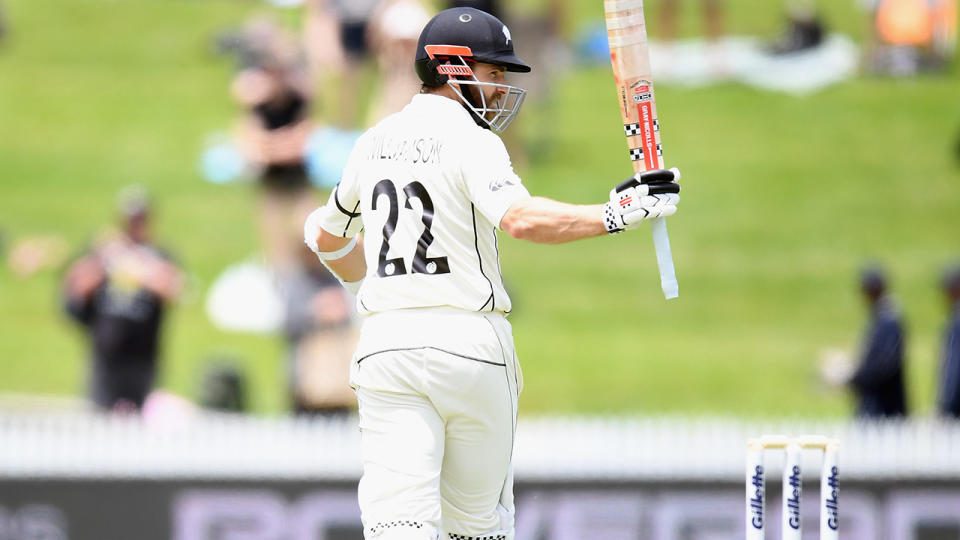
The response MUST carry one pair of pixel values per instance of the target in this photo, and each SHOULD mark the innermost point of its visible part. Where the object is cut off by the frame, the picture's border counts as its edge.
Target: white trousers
(437, 391)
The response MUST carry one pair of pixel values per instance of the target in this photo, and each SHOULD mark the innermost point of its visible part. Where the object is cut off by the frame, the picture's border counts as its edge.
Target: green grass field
(784, 197)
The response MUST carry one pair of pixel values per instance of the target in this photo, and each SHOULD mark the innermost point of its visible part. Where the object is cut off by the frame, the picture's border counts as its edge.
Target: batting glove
(643, 196)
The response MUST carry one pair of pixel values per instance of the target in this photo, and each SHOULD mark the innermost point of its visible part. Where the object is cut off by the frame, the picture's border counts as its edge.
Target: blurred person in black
(274, 89)
(118, 292)
(948, 399)
(224, 386)
(878, 380)
(805, 30)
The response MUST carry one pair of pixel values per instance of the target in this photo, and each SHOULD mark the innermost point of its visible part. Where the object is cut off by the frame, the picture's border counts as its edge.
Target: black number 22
(421, 263)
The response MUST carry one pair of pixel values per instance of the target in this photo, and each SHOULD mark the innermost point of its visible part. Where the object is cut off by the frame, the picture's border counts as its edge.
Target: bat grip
(661, 241)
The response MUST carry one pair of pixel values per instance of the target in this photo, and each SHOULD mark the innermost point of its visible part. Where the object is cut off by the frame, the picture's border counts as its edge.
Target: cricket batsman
(435, 371)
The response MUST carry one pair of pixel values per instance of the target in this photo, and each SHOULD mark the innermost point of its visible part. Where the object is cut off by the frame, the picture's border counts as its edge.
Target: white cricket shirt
(429, 187)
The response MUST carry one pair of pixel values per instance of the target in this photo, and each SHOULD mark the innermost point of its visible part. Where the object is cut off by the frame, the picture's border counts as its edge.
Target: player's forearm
(546, 221)
(352, 266)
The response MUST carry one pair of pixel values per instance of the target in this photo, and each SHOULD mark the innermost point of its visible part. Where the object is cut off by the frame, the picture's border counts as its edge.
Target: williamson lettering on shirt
(424, 150)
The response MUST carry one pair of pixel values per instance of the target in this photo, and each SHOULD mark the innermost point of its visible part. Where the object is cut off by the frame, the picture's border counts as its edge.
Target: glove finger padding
(670, 187)
(650, 207)
(658, 176)
(652, 178)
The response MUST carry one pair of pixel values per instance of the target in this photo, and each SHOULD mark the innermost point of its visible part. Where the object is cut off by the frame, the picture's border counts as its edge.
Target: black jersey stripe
(349, 221)
(340, 207)
(496, 249)
(451, 353)
(513, 397)
(343, 210)
(476, 246)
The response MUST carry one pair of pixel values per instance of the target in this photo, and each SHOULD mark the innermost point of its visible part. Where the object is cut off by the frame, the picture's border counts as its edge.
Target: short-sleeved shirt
(123, 317)
(429, 187)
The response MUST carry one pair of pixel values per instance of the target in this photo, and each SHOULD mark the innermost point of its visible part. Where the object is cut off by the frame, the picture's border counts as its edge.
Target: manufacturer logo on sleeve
(497, 185)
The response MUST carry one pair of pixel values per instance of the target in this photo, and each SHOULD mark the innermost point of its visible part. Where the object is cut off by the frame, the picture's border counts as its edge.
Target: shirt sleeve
(341, 215)
(79, 309)
(489, 178)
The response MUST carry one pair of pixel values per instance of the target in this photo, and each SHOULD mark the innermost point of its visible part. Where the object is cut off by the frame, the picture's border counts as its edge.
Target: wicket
(792, 484)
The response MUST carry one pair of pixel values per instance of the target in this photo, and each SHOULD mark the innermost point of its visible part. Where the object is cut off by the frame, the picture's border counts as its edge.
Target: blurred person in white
(393, 32)
(321, 338)
(911, 36)
(435, 371)
(119, 292)
(948, 398)
(275, 92)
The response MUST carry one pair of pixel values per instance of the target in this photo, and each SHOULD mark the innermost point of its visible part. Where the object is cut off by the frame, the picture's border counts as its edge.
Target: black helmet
(488, 39)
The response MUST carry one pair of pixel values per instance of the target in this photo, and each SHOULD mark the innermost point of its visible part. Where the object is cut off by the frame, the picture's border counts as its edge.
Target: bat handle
(661, 241)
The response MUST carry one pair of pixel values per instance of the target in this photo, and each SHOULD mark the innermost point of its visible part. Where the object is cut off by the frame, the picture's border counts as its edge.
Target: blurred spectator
(910, 36)
(321, 338)
(119, 292)
(539, 26)
(36, 253)
(948, 400)
(224, 387)
(353, 20)
(354, 16)
(393, 32)
(878, 381)
(274, 89)
(957, 147)
(713, 19)
(805, 30)
(321, 40)
(490, 6)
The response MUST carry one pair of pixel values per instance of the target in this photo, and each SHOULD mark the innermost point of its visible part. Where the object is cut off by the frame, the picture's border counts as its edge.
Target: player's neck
(443, 91)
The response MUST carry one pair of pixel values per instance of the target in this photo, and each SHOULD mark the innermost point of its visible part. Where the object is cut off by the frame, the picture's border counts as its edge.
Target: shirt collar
(443, 105)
